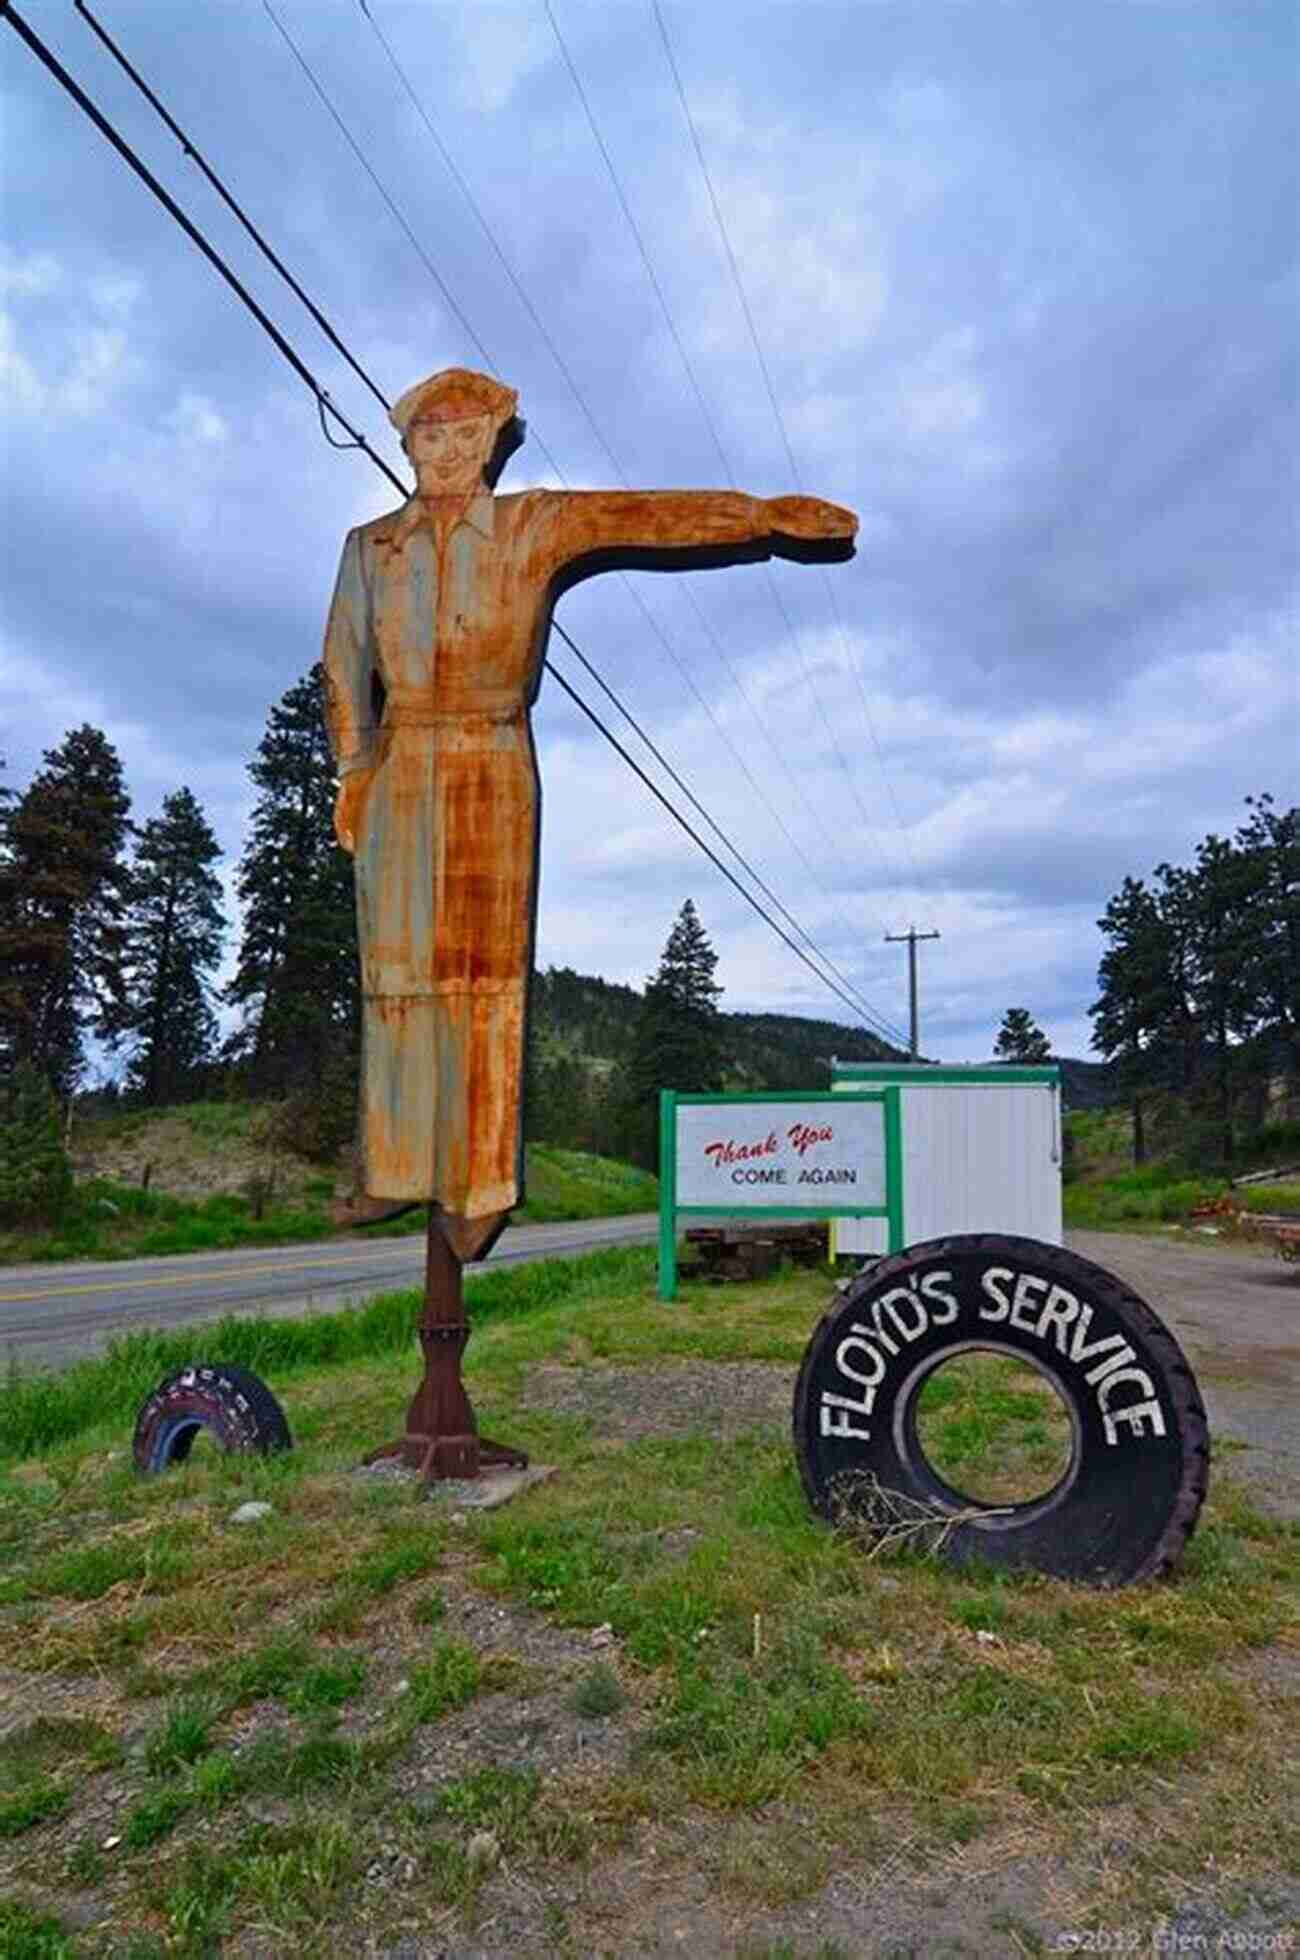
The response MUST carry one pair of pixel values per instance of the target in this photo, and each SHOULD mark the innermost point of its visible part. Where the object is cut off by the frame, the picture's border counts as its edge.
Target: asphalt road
(51, 1314)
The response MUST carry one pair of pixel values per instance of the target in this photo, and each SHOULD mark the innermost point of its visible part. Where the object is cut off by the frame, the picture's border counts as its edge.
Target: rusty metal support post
(442, 1438)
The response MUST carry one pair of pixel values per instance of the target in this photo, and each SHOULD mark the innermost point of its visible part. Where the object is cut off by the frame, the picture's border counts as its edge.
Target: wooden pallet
(1284, 1232)
(746, 1252)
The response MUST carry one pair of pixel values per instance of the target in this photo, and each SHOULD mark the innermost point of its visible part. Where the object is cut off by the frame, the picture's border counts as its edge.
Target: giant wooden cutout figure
(433, 657)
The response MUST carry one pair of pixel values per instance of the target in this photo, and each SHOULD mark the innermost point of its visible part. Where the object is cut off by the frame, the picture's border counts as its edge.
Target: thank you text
(736, 1154)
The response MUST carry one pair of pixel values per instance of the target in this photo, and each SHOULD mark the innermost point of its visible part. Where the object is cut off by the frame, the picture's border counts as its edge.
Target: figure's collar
(418, 514)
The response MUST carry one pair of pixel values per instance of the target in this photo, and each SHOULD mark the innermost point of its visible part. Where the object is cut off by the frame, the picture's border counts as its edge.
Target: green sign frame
(670, 1211)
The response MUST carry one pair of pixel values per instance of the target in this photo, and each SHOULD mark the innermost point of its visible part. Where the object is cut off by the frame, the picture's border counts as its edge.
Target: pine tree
(1270, 840)
(297, 978)
(63, 885)
(1020, 1039)
(678, 1044)
(1131, 1013)
(174, 932)
(35, 1176)
(1224, 1000)
(1181, 1035)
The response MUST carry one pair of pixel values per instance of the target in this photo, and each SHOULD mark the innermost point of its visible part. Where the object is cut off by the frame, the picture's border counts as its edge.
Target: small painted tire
(1127, 1501)
(237, 1410)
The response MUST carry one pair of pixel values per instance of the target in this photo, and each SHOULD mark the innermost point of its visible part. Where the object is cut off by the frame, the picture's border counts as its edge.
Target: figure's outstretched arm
(347, 669)
(600, 530)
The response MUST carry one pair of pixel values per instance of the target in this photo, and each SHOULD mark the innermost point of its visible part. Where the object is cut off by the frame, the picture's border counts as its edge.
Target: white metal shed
(981, 1151)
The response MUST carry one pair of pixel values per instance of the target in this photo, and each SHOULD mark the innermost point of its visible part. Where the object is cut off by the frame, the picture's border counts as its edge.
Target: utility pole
(910, 937)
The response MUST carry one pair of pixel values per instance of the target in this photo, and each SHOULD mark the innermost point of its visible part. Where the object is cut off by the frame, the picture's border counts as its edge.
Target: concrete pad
(484, 1493)
(494, 1487)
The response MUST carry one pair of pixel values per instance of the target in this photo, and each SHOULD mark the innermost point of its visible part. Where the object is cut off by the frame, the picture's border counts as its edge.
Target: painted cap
(452, 396)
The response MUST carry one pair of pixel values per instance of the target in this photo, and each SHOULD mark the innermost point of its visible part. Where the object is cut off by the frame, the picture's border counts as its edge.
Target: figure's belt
(485, 704)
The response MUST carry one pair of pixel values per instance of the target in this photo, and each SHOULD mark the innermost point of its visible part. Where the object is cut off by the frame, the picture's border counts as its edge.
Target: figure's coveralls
(433, 656)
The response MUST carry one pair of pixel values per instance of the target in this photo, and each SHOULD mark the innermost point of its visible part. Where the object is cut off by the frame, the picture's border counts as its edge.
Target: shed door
(977, 1157)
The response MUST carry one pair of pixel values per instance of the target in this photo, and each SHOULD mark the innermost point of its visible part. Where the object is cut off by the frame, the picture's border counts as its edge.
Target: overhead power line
(231, 203)
(390, 201)
(502, 259)
(656, 286)
(748, 897)
(192, 232)
(101, 123)
(190, 149)
(360, 155)
(766, 373)
(685, 587)
(695, 801)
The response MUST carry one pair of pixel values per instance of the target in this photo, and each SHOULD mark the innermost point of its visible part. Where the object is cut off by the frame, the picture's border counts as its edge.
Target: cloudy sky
(1023, 275)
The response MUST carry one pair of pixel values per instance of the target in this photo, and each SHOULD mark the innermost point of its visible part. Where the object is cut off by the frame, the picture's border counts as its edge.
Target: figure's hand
(347, 807)
(809, 517)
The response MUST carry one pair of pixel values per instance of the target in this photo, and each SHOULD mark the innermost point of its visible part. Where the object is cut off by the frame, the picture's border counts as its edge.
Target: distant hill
(579, 1014)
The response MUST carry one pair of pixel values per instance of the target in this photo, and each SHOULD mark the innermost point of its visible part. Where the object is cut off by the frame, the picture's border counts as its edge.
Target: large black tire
(1128, 1501)
(237, 1409)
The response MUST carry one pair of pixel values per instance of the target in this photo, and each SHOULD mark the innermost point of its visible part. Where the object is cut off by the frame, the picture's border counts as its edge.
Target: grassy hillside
(1103, 1188)
(210, 1175)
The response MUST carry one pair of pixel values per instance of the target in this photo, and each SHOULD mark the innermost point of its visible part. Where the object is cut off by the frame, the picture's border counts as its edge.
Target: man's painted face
(453, 454)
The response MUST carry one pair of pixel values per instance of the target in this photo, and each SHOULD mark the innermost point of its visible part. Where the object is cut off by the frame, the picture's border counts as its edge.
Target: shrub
(318, 1116)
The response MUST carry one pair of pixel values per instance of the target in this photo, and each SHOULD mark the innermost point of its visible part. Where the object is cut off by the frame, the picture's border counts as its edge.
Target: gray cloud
(1025, 279)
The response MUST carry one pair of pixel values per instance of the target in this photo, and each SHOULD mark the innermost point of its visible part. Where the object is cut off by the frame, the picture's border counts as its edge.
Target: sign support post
(667, 1194)
(793, 1131)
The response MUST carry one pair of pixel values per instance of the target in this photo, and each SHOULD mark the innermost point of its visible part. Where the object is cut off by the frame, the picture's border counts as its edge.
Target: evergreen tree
(1224, 999)
(1020, 1039)
(1201, 979)
(1132, 1011)
(534, 1106)
(1181, 1035)
(174, 933)
(1270, 840)
(35, 1176)
(678, 1042)
(63, 884)
(297, 978)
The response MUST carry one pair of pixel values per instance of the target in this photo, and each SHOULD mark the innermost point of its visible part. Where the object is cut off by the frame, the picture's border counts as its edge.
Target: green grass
(1105, 1191)
(448, 1679)
(182, 1738)
(154, 1816)
(104, 1219)
(32, 1805)
(774, 1705)
(994, 1429)
(1155, 1194)
(565, 1184)
(41, 1762)
(406, 1552)
(499, 1800)
(741, 1734)
(326, 1685)
(44, 1410)
(29, 1935)
(1269, 1197)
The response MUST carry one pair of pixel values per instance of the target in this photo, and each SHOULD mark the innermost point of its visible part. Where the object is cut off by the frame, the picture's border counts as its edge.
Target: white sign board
(734, 1154)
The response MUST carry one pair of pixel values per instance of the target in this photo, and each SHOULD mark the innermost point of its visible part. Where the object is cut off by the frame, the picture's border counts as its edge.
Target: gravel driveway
(1236, 1312)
